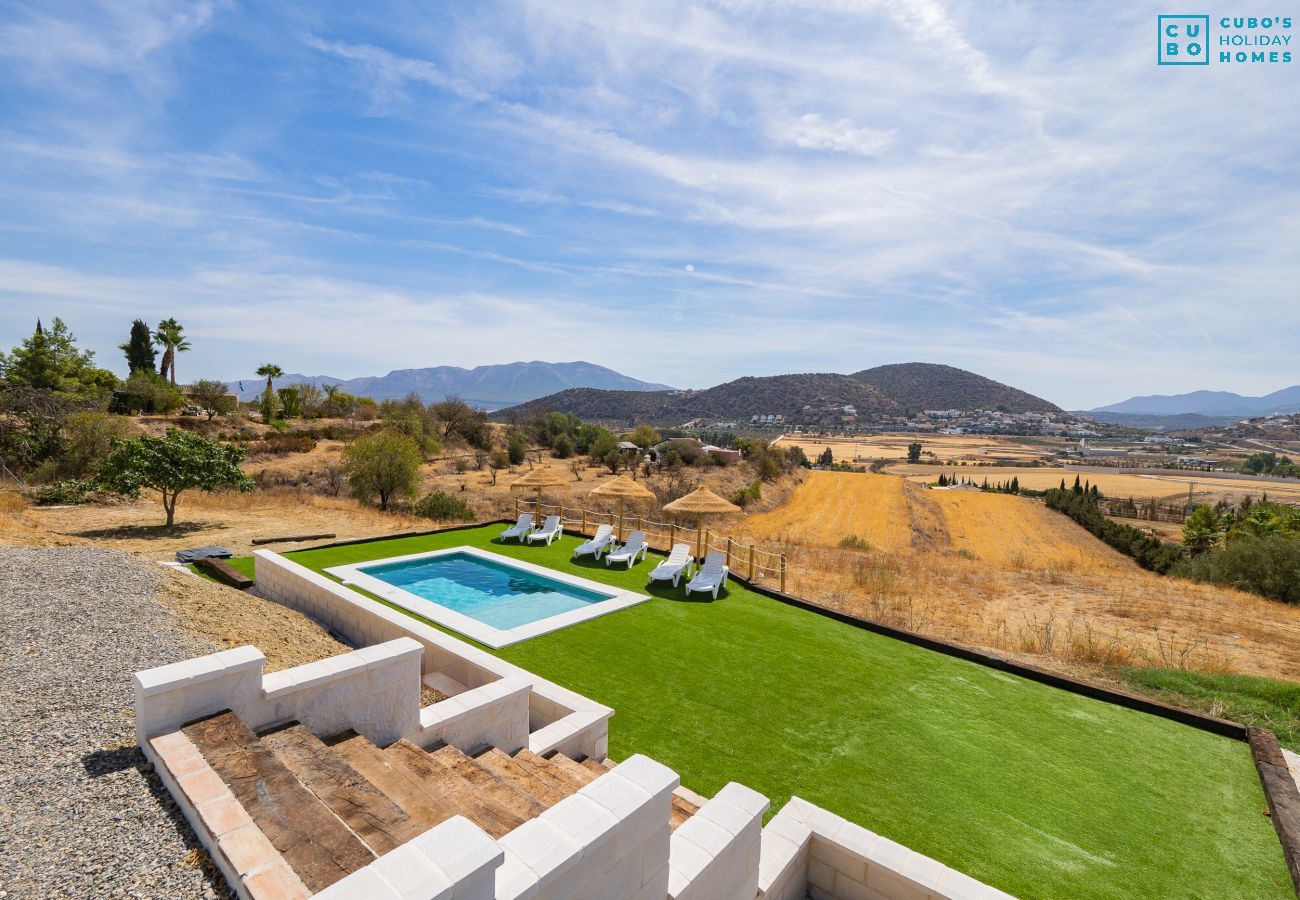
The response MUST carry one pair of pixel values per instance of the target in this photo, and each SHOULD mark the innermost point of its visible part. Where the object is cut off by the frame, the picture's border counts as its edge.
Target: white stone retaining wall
(375, 691)
(807, 848)
(559, 719)
(494, 715)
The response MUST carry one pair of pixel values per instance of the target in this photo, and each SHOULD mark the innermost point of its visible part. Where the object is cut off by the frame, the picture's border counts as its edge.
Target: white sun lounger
(635, 546)
(520, 529)
(603, 540)
(712, 576)
(549, 531)
(671, 569)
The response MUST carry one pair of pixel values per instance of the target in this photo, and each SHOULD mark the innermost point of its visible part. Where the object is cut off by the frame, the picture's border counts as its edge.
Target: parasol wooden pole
(621, 501)
(699, 537)
(672, 534)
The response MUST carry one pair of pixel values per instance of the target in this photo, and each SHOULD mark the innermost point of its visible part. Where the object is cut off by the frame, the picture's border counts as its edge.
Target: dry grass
(1005, 574)
(945, 447)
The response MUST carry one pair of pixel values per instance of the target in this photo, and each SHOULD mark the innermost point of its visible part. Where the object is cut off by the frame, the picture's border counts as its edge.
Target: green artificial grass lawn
(1035, 790)
(242, 564)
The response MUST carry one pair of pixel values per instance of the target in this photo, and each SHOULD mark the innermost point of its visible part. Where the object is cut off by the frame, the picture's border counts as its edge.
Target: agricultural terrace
(1040, 792)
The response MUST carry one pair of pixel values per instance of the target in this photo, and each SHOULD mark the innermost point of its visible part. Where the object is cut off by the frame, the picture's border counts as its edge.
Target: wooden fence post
(751, 563)
(783, 573)
(516, 508)
(584, 520)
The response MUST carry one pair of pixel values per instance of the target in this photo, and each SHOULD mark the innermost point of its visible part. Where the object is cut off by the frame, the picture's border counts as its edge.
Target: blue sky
(684, 192)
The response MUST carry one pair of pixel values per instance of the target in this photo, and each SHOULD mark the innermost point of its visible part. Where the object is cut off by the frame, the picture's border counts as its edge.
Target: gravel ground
(79, 814)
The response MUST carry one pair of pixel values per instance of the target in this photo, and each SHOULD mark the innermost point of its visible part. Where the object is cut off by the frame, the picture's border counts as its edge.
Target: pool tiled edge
(496, 638)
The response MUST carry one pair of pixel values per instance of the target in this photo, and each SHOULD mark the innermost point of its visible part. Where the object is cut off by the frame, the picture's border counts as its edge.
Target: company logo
(1184, 40)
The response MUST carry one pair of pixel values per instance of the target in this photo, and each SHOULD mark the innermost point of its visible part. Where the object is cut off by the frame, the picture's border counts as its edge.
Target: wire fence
(743, 559)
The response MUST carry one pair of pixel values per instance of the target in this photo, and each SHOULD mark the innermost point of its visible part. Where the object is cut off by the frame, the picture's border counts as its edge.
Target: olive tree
(385, 464)
(177, 462)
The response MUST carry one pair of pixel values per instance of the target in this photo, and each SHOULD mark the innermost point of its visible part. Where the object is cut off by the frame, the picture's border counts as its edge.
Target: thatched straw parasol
(539, 480)
(700, 503)
(623, 489)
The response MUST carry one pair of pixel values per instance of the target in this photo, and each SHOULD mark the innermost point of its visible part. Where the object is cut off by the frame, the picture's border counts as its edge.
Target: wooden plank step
(592, 765)
(374, 818)
(311, 839)
(438, 780)
(682, 810)
(500, 790)
(397, 782)
(499, 763)
(548, 771)
(572, 769)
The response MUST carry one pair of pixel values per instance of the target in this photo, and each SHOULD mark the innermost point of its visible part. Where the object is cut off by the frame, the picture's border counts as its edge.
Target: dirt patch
(231, 618)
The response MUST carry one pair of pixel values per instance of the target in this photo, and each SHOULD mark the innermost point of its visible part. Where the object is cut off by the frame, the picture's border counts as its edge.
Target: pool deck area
(1032, 789)
(356, 574)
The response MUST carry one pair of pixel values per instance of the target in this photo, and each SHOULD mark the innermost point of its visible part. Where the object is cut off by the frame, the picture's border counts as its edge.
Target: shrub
(385, 464)
(1081, 506)
(563, 447)
(64, 493)
(443, 508)
(516, 448)
(751, 494)
(853, 542)
(1268, 566)
(279, 444)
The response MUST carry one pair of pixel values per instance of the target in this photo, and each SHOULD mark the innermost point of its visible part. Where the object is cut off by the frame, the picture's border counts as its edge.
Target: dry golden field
(943, 447)
(1005, 573)
(1157, 484)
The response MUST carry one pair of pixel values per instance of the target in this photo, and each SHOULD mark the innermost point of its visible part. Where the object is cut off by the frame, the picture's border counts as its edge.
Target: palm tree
(270, 370)
(170, 336)
(330, 391)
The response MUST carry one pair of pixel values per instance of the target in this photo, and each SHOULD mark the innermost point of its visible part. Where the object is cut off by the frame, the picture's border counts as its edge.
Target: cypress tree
(140, 353)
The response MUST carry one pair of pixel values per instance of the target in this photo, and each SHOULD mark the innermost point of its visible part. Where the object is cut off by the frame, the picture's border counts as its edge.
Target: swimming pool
(491, 598)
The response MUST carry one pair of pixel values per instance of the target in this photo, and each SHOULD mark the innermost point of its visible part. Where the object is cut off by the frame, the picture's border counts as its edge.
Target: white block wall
(567, 721)
(609, 840)
(375, 691)
(714, 854)
(494, 715)
(842, 860)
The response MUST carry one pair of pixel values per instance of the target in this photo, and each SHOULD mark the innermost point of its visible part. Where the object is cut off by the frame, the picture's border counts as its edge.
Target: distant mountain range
(808, 398)
(488, 387)
(1210, 403)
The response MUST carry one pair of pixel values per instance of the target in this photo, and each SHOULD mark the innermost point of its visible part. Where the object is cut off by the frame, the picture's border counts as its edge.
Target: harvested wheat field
(1006, 573)
(1158, 484)
(942, 447)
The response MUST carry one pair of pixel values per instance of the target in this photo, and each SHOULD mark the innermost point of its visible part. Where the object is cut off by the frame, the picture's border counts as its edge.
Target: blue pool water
(494, 593)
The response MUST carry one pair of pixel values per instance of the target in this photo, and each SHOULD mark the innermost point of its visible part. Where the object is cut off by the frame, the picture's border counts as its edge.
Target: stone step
(438, 780)
(374, 817)
(574, 770)
(522, 776)
(311, 839)
(397, 782)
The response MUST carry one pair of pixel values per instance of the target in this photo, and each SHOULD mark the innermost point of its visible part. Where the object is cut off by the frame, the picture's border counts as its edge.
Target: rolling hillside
(782, 395)
(809, 399)
(918, 386)
(1210, 403)
(490, 387)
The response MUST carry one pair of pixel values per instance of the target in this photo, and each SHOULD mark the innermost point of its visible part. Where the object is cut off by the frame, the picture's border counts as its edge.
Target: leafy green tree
(1203, 529)
(270, 405)
(827, 458)
(385, 465)
(50, 360)
(290, 402)
(563, 447)
(516, 448)
(601, 448)
(171, 465)
(170, 335)
(139, 349)
(644, 436)
(33, 363)
(330, 400)
(149, 392)
(914, 452)
(212, 397)
(270, 371)
(794, 453)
